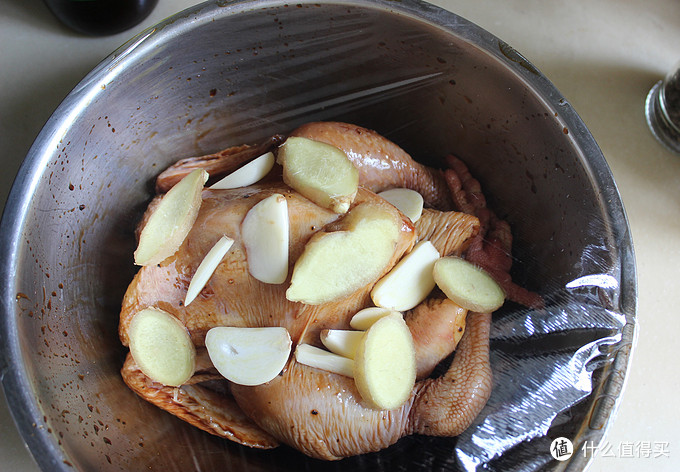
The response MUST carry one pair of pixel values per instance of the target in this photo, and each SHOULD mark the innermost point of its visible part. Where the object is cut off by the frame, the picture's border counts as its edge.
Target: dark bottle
(101, 17)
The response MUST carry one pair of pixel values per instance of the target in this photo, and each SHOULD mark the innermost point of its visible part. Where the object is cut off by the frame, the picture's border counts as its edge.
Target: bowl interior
(222, 74)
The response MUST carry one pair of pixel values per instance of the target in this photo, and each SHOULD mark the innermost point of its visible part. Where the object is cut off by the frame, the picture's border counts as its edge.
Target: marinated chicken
(318, 412)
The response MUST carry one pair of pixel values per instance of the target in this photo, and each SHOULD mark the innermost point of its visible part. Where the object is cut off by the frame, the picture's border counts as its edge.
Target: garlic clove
(207, 267)
(313, 356)
(251, 173)
(410, 281)
(407, 201)
(342, 342)
(265, 231)
(248, 356)
(363, 319)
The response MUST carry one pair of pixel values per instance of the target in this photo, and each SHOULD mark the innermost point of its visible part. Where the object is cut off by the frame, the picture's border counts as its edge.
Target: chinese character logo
(561, 449)
(629, 449)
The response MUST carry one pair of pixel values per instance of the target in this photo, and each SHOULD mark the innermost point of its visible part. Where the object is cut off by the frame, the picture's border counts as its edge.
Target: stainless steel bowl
(224, 73)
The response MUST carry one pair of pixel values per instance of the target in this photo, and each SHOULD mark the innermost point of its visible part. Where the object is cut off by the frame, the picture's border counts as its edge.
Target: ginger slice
(320, 172)
(335, 264)
(171, 220)
(468, 285)
(161, 347)
(385, 363)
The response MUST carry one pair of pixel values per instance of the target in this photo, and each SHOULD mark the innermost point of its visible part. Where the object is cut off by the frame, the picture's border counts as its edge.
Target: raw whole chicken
(315, 411)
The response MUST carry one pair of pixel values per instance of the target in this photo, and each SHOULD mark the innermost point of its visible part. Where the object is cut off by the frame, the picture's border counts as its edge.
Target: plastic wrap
(227, 73)
(546, 364)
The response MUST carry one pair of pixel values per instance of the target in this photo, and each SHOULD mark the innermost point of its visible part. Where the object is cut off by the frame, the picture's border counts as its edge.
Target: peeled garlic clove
(171, 220)
(161, 346)
(265, 233)
(407, 201)
(251, 173)
(410, 281)
(248, 356)
(364, 319)
(342, 342)
(207, 267)
(312, 356)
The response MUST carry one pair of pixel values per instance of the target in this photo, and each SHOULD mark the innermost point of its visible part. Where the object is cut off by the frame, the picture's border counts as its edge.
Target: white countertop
(602, 55)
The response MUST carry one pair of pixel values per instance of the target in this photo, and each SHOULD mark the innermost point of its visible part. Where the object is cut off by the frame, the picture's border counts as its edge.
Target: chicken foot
(447, 406)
